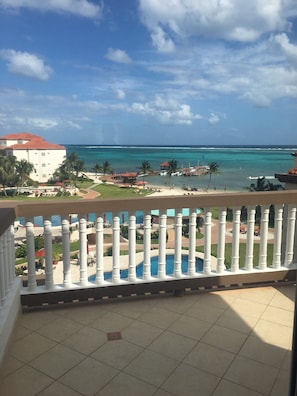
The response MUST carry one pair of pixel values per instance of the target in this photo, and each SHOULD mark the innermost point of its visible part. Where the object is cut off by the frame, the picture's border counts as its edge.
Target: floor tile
(59, 329)
(282, 384)
(252, 374)
(278, 315)
(227, 388)
(159, 317)
(231, 320)
(88, 377)
(244, 307)
(274, 333)
(190, 381)
(25, 382)
(57, 389)
(227, 339)
(254, 348)
(208, 358)
(151, 367)
(31, 346)
(141, 334)
(86, 340)
(33, 320)
(112, 321)
(117, 354)
(57, 361)
(172, 345)
(190, 327)
(126, 385)
(205, 312)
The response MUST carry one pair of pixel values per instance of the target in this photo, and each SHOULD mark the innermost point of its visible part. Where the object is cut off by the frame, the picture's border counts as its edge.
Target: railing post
(162, 244)
(147, 246)
(100, 249)
(178, 243)
(290, 235)
(207, 241)
(116, 248)
(278, 222)
(132, 247)
(235, 239)
(263, 237)
(49, 279)
(250, 233)
(66, 251)
(83, 259)
(32, 284)
(11, 254)
(221, 240)
(192, 242)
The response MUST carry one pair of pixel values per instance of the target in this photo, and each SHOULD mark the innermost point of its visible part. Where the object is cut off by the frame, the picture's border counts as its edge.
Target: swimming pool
(154, 267)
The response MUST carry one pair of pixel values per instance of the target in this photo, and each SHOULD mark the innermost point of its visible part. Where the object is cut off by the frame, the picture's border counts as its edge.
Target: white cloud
(161, 40)
(213, 118)
(166, 111)
(117, 55)
(283, 43)
(235, 20)
(120, 94)
(26, 64)
(83, 8)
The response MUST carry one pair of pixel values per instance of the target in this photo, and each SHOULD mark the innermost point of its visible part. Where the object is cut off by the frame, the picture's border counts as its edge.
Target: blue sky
(164, 72)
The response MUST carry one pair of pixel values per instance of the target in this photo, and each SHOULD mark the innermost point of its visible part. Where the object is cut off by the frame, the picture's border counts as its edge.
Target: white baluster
(132, 247)
(250, 233)
(147, 245)
(221, 240)
(235, 239)
(178, 243)
(290, 235)
(116, 248)
(192, 242)
(162, 244)
(66, 251)
(5, 263)
(100, 249)
(48, 248)
(278, 223)
(32, 284)
(83, 258)
(207, 242)
(263, 237)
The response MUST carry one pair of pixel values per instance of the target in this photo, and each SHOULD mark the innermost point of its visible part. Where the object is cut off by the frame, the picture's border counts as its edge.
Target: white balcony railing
(91, 219)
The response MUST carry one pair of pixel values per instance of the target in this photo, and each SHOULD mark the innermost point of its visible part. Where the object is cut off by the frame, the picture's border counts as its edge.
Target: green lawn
(113, 191)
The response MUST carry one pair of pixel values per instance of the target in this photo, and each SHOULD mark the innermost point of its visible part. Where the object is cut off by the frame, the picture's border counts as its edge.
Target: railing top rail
(62, 207)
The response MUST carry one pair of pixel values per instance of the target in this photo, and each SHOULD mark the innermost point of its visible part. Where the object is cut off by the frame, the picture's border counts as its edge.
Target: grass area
(114, 191)
(242, 249)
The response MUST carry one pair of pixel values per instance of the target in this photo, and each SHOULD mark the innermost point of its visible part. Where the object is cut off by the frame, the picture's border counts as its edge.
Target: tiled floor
(226, 343)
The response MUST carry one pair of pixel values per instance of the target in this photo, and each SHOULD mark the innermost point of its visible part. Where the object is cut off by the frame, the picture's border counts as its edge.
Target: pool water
(154, 268)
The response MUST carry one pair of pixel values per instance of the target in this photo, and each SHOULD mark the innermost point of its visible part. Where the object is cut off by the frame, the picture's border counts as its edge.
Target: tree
(106, 168)
(70, 167)
(23, 170)
(8, 175)
(173, 166)
(145, 167)
(264, 185)
(96, 168)
(213, 168)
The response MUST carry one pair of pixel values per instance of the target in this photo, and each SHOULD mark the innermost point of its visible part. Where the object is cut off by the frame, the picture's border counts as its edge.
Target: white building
(46, 157)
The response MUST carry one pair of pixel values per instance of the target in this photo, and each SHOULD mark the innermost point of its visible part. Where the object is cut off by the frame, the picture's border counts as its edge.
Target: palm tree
(263, 185)
(70, 168)
(173, 166)
(23, 170)
(106, 167)
(213, 168)
(144, 168)
(96, 168)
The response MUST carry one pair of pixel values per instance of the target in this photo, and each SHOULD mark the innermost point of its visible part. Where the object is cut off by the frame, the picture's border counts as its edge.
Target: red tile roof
(34, 142)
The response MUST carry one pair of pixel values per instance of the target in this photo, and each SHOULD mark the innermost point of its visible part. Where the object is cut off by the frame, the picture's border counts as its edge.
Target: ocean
(239, 166)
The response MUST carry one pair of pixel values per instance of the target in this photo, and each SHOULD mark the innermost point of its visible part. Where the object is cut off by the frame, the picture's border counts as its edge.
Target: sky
(151, 72)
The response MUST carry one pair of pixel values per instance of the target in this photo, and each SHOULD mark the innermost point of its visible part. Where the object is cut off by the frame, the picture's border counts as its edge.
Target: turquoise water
(236, 164)
(154, 268)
